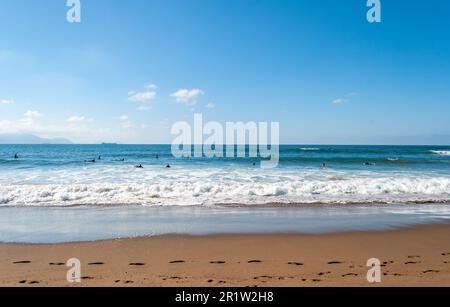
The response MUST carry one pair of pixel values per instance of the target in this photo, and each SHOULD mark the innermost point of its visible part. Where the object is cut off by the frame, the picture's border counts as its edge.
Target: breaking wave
(232, 190)
(441, 152)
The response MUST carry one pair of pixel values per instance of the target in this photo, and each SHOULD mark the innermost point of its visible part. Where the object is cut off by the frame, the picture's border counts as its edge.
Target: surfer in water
(139, 166)
(16, 157)
(168, 166)
(90, 161)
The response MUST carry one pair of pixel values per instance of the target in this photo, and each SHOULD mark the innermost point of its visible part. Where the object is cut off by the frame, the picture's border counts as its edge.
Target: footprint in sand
(350, 274)
(296, 263)
(430, 271)
(324, 273)
(413, 262)
(445, 254)
(136, 264)
(384, 264)
(413, 257)
(96, 263)
(57, 263)
(87, 278)
(217, 262)
(254, 261)
(22, 262)
(262, 277)
(334, 262)
(34, 282)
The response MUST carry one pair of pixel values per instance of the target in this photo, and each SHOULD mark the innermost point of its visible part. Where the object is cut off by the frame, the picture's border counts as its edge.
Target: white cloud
(76, 119)
(189, 97)
(210, 105)
(32, 114)
(340, 101)
(7, 101)
(142, 96)
(151, 86)
(125, 121)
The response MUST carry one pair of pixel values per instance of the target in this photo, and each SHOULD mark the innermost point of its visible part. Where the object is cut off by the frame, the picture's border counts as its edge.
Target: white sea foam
(216, 186)
(441, 152)
(310, 149)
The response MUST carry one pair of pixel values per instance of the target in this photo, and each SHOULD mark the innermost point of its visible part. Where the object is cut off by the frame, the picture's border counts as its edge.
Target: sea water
(54, 189)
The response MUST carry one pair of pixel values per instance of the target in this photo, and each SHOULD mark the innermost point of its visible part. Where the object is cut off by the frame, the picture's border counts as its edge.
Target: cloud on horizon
(7, 101)
(76, 119)
(32, 114)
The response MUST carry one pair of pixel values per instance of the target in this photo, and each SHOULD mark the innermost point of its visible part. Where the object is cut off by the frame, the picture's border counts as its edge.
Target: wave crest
(226, 191)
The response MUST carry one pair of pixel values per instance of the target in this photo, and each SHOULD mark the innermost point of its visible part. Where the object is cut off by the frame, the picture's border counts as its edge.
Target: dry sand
(411, 257)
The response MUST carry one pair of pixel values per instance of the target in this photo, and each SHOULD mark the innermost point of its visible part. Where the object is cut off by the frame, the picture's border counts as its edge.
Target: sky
(131, 69)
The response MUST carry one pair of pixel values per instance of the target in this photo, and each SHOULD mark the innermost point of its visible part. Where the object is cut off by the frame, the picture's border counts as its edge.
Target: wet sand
(410, 257)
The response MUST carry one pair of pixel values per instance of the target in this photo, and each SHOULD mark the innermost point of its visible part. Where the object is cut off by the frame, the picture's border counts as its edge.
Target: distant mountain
(18, 138)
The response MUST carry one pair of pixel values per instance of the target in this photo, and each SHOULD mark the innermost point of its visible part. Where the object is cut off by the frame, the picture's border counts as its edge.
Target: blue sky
(132, 68)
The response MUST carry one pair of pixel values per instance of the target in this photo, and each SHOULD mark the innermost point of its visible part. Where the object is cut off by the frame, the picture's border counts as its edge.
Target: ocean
(50, 186)
(57, 175)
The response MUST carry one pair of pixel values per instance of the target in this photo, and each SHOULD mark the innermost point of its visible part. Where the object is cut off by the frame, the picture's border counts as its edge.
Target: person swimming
(168, 166)
(157, 156)
(139, 166)
(324, 165)
(16, 157)
(99, 158)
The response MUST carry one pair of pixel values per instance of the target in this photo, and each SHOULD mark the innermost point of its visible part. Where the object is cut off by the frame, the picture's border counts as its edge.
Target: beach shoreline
(415, 256)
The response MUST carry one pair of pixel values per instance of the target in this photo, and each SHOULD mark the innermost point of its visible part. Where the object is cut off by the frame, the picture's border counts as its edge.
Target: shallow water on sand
(74, 224)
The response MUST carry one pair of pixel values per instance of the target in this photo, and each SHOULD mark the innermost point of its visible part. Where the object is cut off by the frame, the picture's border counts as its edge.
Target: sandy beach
(410, 257)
